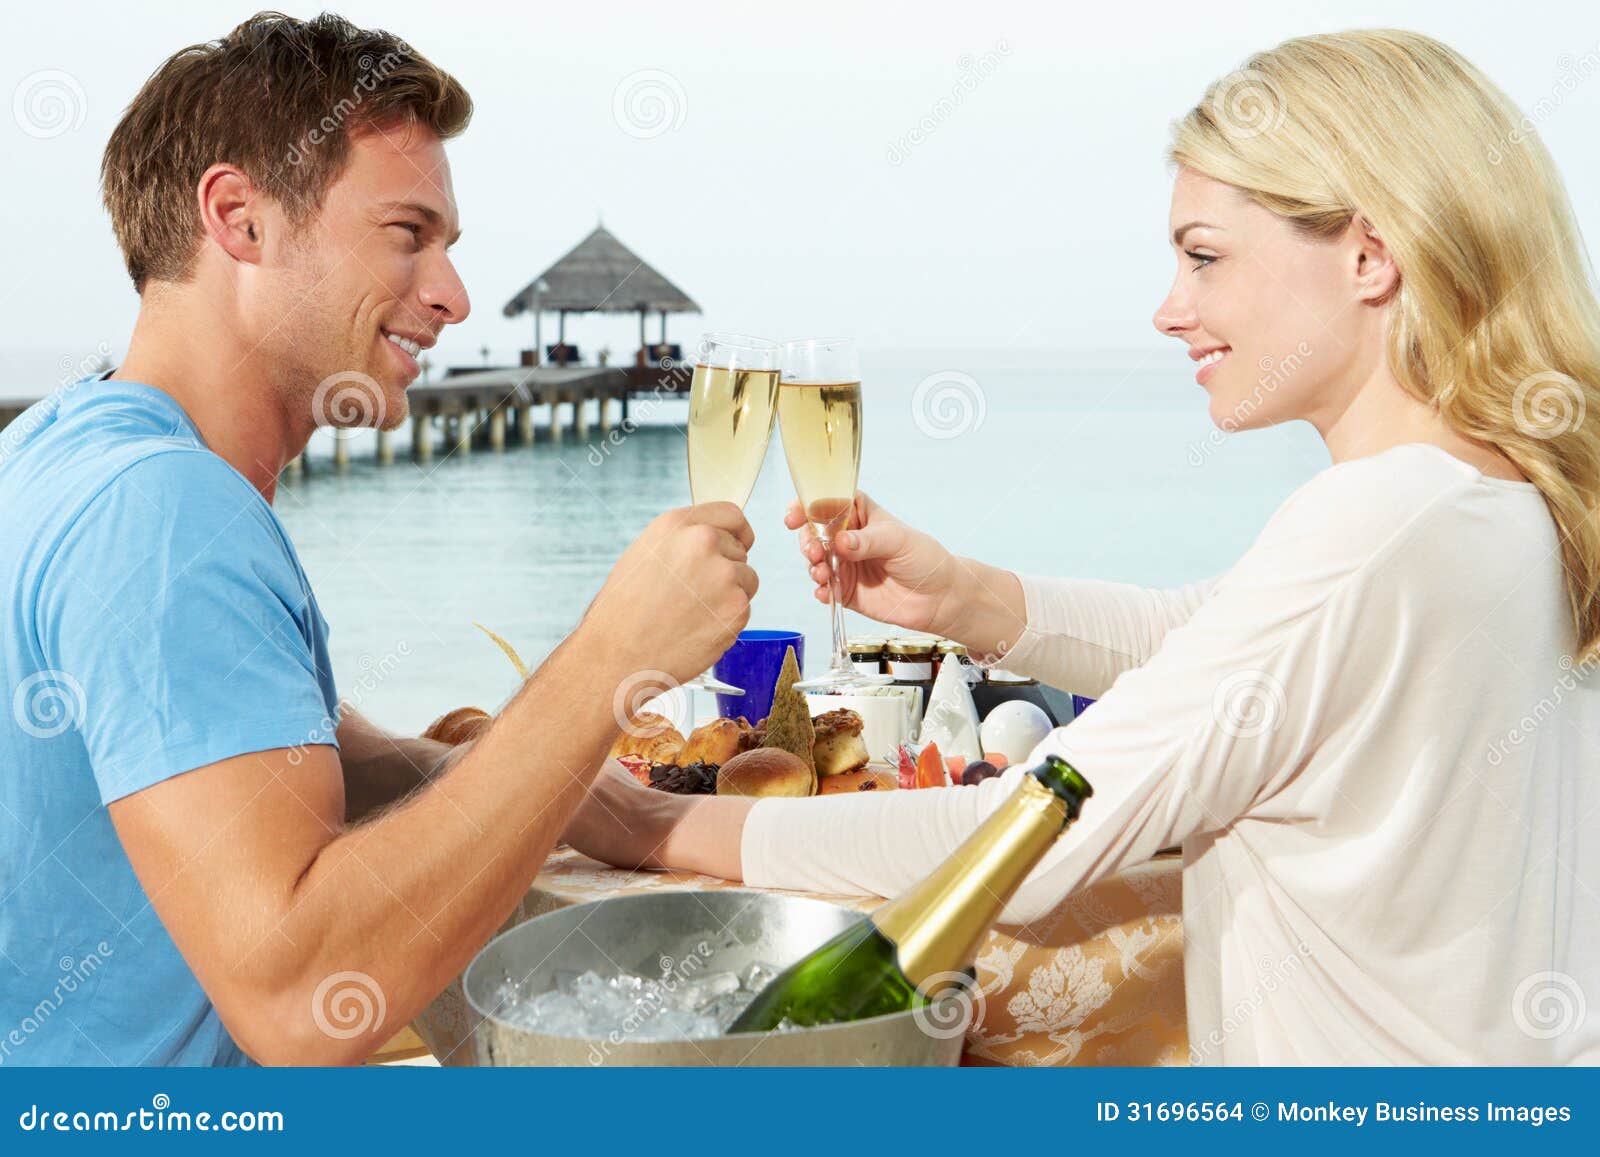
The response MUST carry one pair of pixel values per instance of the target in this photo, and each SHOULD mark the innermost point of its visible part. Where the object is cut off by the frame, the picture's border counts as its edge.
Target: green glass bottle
(907, 952)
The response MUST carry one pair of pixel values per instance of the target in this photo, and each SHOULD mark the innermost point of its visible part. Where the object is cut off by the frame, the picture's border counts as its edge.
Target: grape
(977, 771)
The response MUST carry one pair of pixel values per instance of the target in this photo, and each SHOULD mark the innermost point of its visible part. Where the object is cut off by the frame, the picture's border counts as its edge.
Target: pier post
(497, 428)
(605, 414)
(341, 450)
(580, 418)
(525, 424)
(464, 432)
(385, 448)
(421, 438)
(555, 418)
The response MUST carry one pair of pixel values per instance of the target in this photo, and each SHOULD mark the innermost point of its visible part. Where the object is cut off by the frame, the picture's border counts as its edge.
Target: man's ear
(1377, 275)
(230, 212)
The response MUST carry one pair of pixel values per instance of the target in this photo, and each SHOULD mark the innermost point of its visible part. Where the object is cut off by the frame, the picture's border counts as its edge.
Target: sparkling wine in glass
(819, 414)
(733, 400)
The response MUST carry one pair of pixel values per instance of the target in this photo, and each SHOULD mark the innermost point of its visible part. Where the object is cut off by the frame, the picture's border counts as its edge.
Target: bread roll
(714, 742)
(866, 779)
(650, 736)
(766, 771)
(458, 726)
(838, 747)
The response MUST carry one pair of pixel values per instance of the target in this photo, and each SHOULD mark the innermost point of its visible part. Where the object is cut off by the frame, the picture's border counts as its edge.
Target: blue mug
(754, 662)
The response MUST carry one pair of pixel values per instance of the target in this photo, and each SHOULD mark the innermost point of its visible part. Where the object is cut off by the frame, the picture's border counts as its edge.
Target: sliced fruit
(930, 768)
(908, 768)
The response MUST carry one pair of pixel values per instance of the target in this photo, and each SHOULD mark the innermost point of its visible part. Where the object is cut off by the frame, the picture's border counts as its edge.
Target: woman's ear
(1377, 277)
(230, 212)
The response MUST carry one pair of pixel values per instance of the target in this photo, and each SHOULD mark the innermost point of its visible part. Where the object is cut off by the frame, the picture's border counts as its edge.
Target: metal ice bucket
(656, 932)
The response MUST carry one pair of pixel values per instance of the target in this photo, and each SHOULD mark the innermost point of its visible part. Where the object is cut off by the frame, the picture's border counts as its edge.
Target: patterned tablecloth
(1099, 981)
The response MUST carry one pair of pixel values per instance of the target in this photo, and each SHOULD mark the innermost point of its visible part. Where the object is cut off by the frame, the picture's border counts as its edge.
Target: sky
(767, 158)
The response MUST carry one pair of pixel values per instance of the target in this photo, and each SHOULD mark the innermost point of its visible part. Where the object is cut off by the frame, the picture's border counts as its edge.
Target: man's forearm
(409, 896)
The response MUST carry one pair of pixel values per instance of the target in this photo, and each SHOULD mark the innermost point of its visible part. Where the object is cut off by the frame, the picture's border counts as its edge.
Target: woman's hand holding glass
(894, 573)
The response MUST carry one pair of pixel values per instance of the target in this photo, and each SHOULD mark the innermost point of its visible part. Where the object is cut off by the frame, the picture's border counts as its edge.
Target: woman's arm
(1078, 634)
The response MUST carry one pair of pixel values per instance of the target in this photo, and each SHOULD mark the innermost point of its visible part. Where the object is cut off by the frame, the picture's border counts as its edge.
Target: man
(180, 882)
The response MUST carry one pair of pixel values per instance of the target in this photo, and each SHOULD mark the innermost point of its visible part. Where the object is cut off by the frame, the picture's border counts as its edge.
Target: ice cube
(757, 976)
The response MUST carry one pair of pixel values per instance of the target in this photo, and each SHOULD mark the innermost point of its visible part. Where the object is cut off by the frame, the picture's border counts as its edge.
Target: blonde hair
(1495, 322)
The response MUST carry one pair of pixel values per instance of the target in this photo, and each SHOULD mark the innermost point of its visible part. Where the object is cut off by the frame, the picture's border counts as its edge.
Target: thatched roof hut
(601, 274)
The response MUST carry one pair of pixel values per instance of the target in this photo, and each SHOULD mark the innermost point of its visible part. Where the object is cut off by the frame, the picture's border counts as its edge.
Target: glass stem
(841, 661)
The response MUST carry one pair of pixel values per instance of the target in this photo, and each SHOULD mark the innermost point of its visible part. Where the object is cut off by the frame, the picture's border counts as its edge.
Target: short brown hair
(277, 96)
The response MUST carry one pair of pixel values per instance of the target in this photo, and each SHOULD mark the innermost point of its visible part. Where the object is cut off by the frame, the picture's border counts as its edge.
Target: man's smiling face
(368, 281)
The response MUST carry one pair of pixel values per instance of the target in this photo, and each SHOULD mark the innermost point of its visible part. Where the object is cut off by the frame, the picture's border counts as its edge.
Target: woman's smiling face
(1278, 322)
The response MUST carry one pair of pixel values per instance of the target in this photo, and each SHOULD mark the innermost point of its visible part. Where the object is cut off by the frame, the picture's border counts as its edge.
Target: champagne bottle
(911, 950)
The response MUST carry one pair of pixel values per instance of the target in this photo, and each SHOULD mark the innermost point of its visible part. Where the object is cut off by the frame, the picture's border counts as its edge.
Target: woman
(1372, 737)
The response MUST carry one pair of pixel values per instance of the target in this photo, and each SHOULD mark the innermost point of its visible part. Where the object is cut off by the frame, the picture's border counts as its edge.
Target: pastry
(715, 742)
(458, 726)
(867, 779)
(838, 747)
(651, 736)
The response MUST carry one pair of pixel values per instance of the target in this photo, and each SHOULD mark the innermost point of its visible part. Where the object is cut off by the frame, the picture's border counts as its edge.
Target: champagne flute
(733, 400)
(819, 414)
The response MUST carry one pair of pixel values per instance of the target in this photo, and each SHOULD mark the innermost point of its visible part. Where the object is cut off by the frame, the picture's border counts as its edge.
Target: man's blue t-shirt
(157, 621)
